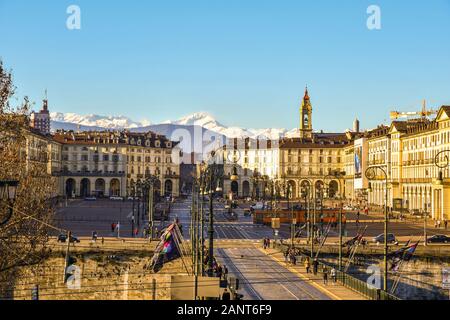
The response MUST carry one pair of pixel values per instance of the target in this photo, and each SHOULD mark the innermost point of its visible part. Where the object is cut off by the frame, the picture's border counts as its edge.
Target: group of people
(437, 224)
(95, 237)
(221, 271)
(266, 243)
(217, 269)
(325, 272)
(290, 255)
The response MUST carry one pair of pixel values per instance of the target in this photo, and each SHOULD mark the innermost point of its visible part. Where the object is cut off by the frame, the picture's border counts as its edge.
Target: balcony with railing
(87, 173)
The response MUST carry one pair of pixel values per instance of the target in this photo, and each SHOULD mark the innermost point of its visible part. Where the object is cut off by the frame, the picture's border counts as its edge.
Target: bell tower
(306, 117)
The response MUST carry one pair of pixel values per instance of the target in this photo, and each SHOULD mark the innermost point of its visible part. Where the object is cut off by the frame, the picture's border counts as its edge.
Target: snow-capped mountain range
(72, 121)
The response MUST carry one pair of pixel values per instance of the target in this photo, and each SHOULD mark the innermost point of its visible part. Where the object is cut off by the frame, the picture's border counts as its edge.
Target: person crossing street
(307, 265)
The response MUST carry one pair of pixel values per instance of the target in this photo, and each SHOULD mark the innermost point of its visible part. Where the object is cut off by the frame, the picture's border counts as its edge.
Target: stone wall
(105, 273)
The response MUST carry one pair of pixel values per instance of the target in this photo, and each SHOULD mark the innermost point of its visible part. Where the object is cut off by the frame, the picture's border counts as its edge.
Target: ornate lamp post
(306, 189)
(371, 175)
(211, 176)
(256, 178)
(442, 163)
(139, 187)
(8, 190)
(336, 175)
(148, 187)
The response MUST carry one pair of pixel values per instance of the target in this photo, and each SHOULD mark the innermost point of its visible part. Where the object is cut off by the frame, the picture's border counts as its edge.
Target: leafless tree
(23, 240)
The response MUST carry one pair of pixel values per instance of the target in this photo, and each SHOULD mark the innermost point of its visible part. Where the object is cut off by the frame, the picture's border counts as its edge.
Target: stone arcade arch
(70, 188)
(85, 187)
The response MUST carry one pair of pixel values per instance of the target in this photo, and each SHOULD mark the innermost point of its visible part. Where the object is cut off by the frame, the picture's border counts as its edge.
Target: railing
(89, 174)
(351, 282)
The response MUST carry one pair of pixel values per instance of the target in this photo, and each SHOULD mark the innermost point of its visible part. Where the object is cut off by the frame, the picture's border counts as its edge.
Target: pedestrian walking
(315, 266)
(286, 256)
(333, 275)
(113, 227)
(445, 224)
(94, 236)
(226, 295)
(325, 275)
(225, 272)
(307, 265)
(294, 259)
(103, 240)
(435, 224)
(439, 224)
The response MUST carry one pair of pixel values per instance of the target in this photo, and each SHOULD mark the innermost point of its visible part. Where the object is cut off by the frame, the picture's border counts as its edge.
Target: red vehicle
(286, 216)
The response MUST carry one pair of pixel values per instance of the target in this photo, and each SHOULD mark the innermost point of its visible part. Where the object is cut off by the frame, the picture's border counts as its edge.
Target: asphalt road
(83, 217)
(262, 278)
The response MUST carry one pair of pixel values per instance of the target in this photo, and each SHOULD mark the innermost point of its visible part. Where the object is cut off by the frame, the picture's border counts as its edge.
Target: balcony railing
(171, 176)
(90, 174)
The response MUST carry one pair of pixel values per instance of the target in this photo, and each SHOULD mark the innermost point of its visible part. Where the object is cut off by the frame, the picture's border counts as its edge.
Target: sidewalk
(336, 291)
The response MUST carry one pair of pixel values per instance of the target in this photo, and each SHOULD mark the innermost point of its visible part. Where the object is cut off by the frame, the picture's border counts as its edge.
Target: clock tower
(306, 117)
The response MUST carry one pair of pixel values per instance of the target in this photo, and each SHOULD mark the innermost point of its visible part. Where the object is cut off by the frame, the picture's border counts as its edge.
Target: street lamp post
(210, 177)
(442, 163)
(148, 188)
(371, 175)
(337, 175)
(309, 222)
(8, 190)
(133, 188)
(139, 191)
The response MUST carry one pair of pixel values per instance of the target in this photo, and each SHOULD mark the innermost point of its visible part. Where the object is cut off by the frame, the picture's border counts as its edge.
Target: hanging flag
(409, 253)
(404, 254)
(167, 249)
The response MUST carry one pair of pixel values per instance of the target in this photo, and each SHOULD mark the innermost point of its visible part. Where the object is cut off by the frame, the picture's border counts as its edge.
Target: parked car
(63, 238)
(257, 206)
(439, 238)
(115, 198)
(90, 199)
(131, 198)
(390, 239)
(416, 213)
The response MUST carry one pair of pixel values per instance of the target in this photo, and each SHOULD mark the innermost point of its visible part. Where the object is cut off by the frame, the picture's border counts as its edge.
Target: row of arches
(294, 191)
(100, 187)
(168, 187)
(85, 187)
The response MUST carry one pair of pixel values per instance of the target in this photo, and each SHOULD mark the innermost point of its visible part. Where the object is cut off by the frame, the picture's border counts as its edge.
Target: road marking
(234, 266)
(312, 282)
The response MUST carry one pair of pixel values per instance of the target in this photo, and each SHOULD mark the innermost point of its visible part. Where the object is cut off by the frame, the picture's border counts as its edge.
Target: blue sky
(245, 62)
